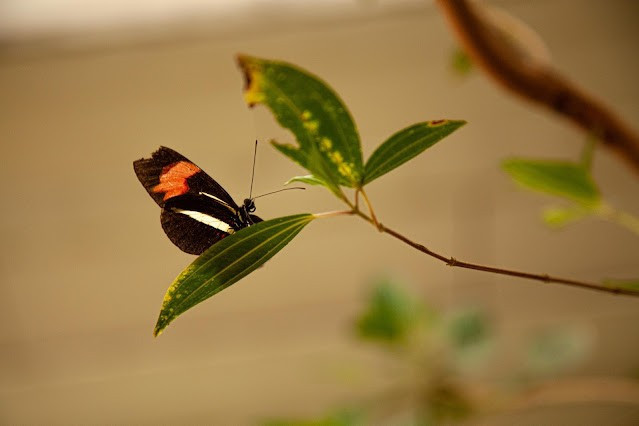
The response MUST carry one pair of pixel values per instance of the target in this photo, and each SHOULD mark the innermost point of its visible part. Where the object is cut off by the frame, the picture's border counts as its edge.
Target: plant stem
(333, 213)
(451, 261)
(619, 217)
(539, 277)
(370, 209)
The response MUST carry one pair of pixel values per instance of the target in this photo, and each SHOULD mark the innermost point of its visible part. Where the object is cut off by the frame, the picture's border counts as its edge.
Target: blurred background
(90, 86)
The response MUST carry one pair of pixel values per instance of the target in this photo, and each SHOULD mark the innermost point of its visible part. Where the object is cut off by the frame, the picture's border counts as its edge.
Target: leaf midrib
(207, 262)
(398, 153)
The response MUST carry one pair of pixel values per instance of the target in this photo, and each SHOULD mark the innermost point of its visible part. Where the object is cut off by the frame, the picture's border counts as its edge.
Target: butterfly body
(196, 210)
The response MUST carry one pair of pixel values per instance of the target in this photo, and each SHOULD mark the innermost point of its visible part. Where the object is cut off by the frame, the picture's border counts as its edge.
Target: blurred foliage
(390, 317)
(432, 350)
(469, 328)
(345, 417)
(557, 349)
(460, 62)
(558, 217)
(571, 181)
(631, 284)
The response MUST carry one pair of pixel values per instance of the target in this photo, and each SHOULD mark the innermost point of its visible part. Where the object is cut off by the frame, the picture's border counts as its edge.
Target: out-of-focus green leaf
(461, 62)
(226, 262)
(469, 334)
(631, 284)
(468, 328)
(308, 179)
(407, 144)
(328, 142)
(557, 217)
(390, 316)
(347, 417)
(557, 349)
(563, 179)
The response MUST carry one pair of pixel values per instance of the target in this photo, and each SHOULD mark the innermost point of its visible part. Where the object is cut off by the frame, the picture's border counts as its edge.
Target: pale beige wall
(84, 263)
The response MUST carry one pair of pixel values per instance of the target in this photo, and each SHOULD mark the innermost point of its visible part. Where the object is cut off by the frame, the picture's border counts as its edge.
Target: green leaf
(390, 317)
(558, 217)
(308, 179)
(407, 144)
(468, 328)
(469, 333)
(563, 179)
(556, 349)
(631, 284)
(328, 142)
(344, 417)
(461, 62)
(226, 262)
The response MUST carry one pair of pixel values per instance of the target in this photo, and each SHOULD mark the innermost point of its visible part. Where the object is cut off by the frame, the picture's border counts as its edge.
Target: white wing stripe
(219, 201)
(207, 220)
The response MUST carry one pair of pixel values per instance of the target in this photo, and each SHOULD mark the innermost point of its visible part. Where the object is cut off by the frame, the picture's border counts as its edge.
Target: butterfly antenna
(279, 190)
(253, 172)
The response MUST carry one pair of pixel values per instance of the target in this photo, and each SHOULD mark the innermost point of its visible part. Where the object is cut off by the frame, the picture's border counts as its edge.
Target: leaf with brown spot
(406, 145)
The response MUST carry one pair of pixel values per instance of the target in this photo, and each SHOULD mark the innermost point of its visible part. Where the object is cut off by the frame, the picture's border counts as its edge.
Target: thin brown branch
(554, 392)
(537, 81)
(451, 261)
(582, 390)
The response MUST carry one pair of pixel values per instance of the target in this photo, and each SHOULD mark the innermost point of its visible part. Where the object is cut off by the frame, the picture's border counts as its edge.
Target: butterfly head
(249, 205)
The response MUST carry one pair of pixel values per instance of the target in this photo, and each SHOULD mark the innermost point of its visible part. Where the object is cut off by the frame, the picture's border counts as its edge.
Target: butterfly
(196, 211)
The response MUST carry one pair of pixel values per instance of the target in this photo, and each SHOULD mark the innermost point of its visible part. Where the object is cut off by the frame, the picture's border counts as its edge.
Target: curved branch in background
(584, 390)
(511, 64)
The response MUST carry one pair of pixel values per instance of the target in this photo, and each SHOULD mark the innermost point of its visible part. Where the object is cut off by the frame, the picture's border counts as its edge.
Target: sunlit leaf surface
(327, 140)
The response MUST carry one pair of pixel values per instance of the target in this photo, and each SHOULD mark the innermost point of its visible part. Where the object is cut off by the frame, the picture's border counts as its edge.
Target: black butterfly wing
(196, 222)
(196, 211)
(169, 174)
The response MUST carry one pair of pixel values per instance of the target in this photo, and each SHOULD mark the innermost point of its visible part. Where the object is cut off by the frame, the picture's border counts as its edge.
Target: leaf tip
(251, 70)
(443, 122)
(161, 324)
(507, 164)
(158, 329)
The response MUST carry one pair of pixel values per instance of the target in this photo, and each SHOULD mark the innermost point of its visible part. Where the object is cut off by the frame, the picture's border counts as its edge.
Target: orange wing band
(173, 179)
